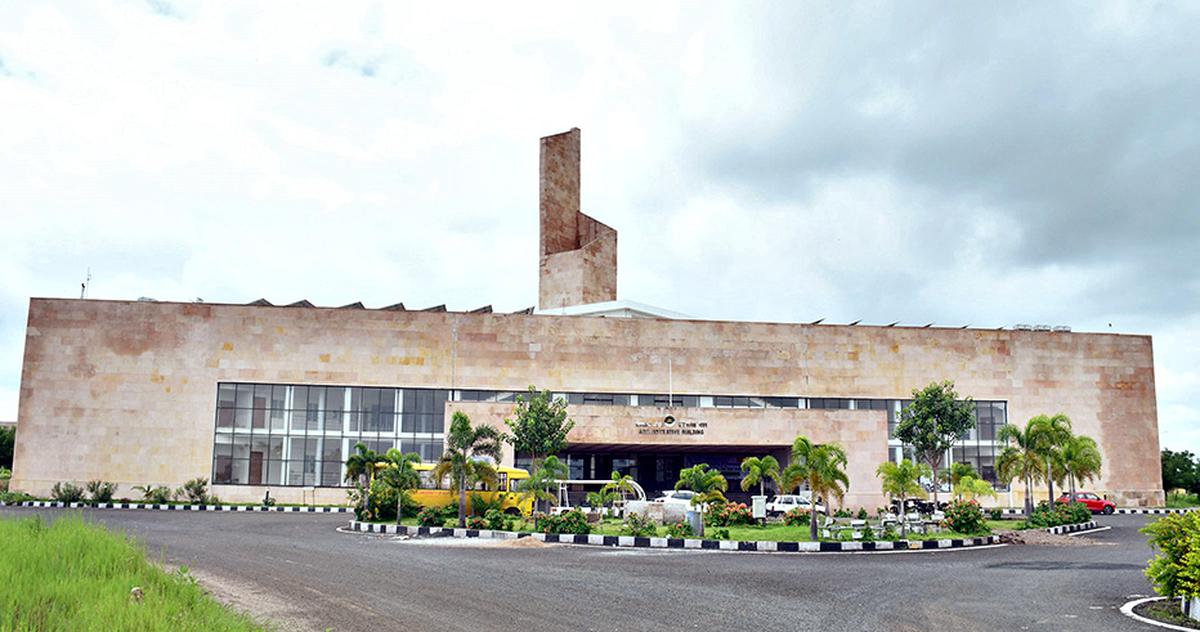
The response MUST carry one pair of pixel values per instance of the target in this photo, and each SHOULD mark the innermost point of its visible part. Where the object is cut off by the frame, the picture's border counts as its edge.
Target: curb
(640, 542)
(1072, 528)
(1127, 610)
(1155, 511)
(152, 507)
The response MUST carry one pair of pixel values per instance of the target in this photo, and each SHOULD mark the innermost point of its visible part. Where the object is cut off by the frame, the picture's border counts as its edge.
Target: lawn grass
(72, 575)
(1182, 500)
(1006, 525)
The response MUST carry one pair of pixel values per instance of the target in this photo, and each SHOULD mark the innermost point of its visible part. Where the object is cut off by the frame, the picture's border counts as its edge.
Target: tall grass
(72, 575)
(1182, 500)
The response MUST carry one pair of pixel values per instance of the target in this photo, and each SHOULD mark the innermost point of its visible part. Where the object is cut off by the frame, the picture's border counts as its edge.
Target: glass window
(226, 395)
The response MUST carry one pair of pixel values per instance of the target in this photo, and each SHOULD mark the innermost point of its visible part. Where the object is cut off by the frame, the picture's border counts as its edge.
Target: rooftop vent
(1041, 327)
(1023, 327)
(1062, 329)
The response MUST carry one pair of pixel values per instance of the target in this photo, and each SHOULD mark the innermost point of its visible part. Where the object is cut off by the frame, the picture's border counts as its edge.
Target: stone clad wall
(126, 391)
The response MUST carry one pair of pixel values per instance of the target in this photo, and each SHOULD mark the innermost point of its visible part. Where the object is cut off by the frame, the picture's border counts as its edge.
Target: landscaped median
(50, 504)
(595, 539)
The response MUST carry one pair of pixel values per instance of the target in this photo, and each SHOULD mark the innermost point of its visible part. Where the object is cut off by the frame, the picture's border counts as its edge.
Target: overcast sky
(884, 162)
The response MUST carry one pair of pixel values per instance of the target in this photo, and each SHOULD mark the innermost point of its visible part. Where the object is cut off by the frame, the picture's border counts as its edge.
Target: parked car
(1095, 503)
(681, 498)
(784, 503)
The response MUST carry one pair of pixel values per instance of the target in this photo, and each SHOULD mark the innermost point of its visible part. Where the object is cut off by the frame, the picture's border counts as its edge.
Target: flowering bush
(1060, 514)
(477, 522)
(966, 517)
(573, 521)
(796, 517)
(680, 529)
(437, 516)
(640, 525)
(728, 514)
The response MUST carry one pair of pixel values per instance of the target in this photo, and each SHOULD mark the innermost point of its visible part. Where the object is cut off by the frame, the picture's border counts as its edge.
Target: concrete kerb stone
(1072, 528)
(45, 504)
(1154, 510)
(628, 541)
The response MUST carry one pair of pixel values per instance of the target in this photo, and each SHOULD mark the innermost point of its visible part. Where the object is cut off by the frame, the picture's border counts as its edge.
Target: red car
(1095, 503)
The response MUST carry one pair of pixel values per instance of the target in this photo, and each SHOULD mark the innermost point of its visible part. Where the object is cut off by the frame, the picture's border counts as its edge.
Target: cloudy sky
(885, 162)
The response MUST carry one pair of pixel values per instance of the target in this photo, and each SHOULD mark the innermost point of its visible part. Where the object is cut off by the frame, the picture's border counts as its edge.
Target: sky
(954, 163)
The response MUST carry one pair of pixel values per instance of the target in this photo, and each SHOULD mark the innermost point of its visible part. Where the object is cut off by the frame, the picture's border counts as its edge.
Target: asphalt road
(302, 573)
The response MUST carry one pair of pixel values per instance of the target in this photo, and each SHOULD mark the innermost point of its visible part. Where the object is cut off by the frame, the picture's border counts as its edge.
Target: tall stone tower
(578, 257)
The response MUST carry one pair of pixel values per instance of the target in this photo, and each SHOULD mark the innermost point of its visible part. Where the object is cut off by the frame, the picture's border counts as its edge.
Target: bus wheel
(512, 511)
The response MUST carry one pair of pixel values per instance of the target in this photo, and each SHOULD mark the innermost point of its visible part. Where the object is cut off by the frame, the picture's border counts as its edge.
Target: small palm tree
(708, 484)
(360, 469)
(543, 480)
(1021, 458)
(1081, 460)
(901, 481)
(399, 472)
(621, 484)
(759, 470)
(1050, 433)
(465, 445)
(971, 488)
(957, 471)
(822, 468)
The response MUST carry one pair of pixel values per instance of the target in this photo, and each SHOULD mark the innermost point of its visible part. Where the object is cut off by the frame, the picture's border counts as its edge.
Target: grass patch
(1182, 500)
(72, 575)
(1167, 611)
(1006, 525)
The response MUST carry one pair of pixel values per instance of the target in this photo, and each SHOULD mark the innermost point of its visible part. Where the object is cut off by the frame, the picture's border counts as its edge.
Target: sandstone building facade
(262, 396)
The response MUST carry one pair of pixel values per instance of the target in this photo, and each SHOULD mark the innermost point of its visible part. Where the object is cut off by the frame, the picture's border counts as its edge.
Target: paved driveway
(299, 570)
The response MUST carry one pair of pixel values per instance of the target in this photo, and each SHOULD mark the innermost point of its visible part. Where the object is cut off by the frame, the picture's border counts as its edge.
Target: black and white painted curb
(1141, 510)
(149, 506)
(1072, 528)
(679, 543)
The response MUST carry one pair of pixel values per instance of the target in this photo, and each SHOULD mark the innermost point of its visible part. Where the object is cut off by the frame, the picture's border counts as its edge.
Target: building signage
(670, 426)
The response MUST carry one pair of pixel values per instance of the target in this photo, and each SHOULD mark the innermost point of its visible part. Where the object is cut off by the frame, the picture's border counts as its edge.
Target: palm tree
(544, 479)
(1021, 458)
(971, 488)
(621, 484)
(901, 480)
(400, 474)
(957, 471)
(1081, 460)
(759, 470)
(465, 445)
(360, 468)
(822, 467)
(708, 484)
(1050, 433)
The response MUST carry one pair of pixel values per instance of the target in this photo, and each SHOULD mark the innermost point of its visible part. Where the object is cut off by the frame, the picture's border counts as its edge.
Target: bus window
(502, 481)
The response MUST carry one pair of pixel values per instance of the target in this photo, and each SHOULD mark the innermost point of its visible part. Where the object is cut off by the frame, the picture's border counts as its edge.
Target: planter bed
(50, 504)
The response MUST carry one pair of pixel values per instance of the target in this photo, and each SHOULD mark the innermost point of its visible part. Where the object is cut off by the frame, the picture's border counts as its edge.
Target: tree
(934, 420)
(822, 468)
(602, 498)
(970, 487)
(544, 480)
(901, 481)
(539, 426)
(708, 484)
(957, 471)
(8, 438)
(759, 470)
(462, 461)
(621, 484)
(1020, 458)
(1050, 433)
(399, 473)
(1180, 471)
(360, 468)
(1081, 460)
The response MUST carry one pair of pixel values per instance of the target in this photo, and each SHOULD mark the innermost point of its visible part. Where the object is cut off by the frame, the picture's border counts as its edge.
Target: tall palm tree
(759, 470)
(709, 484)
(1081, 460)
(400, 473)
(1021, 458)
(1050, 433)
(902, 480)
(823, 468)
(360, 469)
(465, 445)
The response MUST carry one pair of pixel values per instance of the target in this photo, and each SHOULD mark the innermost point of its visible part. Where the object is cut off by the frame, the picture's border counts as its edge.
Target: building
(260, 395)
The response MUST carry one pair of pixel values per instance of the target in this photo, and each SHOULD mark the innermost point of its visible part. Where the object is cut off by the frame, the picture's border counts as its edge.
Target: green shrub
(868, 535)
(437, 516)
(995, 513)
(1175, 500)
(156, 494)
(383, 501)
(841, 513)
(66, 492)
(450, 523)
(195, 492)
(680, 529)
(101, 491)
(5, 473)
(639, 525)
(572, 521)
(796, 517)
(728, 514)
(719, 534)
(966, 517)
(12, 498)
(1059, 514)
(1175, 570)
(481, 505)
(477, 522)
(496, 519)
(889, 533)
(862, 513)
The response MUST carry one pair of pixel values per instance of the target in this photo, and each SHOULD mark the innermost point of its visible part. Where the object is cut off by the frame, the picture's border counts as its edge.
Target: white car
(784, 503)
(677, 498)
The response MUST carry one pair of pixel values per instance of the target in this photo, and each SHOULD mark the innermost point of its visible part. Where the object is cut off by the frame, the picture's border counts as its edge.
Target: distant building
(261, 395)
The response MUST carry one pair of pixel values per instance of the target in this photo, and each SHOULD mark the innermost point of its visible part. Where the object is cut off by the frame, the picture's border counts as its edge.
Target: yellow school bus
(434, 493)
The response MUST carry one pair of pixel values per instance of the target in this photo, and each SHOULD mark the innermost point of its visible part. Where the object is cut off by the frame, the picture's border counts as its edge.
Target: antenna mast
(83, 287)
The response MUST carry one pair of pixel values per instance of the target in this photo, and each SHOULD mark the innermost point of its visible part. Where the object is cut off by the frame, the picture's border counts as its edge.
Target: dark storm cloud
(1078, 131)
